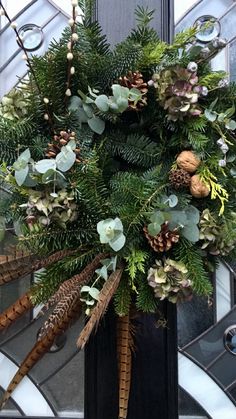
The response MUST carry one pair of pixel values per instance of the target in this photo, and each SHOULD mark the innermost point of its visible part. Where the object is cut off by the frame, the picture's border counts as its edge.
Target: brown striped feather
(41, 347)
(61, 310)
(77, 280)
(16, 310)
(17, 268)
(105, 297)
(124, 347)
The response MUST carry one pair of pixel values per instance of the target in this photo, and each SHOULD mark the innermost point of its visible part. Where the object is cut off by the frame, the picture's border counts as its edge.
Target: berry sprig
(73, 39)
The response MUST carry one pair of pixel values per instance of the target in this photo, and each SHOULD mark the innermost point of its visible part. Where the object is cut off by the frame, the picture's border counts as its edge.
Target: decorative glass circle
(31, 36)
(207, 34)
(230, 339)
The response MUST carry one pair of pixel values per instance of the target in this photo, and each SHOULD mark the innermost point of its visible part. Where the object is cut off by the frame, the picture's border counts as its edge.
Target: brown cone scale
(179, 178)
(163, 241)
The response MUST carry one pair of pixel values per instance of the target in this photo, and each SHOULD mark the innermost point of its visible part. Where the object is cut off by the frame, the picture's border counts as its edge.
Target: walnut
(198, 188)
(188, 161)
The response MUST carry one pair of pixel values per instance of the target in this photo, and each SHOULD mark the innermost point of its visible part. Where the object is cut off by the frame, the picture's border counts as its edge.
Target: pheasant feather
(105, 297)
(20, 266)
(16, 310)
(60, 311)
(124, 347)
(42, 346)
(76, 280)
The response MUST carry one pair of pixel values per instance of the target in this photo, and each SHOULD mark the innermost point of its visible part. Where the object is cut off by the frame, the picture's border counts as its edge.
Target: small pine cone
(60, 140)
(179, 178)
(163, 241)
(135, 80)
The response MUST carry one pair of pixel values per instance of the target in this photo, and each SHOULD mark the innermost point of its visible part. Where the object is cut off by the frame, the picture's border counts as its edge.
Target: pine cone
(179, 178)
(164, 240)
(135, 80)
(58, 142)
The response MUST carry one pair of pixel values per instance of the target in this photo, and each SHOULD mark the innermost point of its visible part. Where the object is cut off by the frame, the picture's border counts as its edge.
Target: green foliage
(136, 262)
(124, 58)
(145, 300)
(13, 133)
(116, 157)
(183, 38)
(194, 131)
(143, 34)
(192, 257)
(135, 149)
(48, 280)
(211, 81)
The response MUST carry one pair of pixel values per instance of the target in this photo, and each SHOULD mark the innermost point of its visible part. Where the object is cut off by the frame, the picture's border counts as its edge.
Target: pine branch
(192, 257)
(135, 149)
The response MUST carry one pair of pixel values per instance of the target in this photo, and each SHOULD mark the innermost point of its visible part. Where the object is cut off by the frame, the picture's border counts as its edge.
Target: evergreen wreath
(120, 171)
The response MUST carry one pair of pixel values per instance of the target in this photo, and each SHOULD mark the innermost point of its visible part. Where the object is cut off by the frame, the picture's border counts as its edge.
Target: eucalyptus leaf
(231, 158)
(118, 224)
(25, 155)
(191, 233)
(120, 92)
(85, 288)
(231, 124)
(102, 103)
(178, 219)
(65, 160)
(122, 104)
(96, 124)
(233, 172)
(81, 116)
(118, 242)
(157, 217)
(88, 110)
(42, 166)
(49, 176)
(21, 175)
(102, 272)
(210, 115)
(193, 214)
(71, 145)
(154, 229)
(74, 103)
(173, 201)
(94, 292)
(135, 95)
